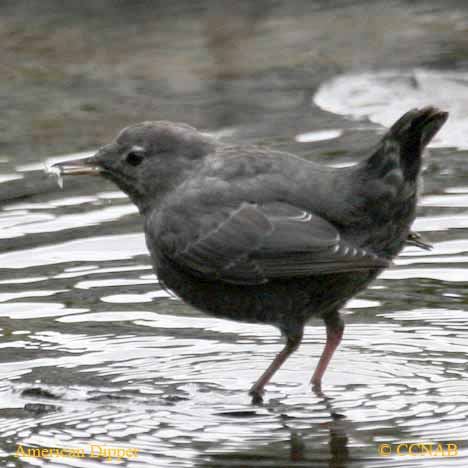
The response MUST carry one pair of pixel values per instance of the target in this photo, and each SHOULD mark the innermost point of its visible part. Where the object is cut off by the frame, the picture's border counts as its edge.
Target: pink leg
(335, 330)
(257, 389)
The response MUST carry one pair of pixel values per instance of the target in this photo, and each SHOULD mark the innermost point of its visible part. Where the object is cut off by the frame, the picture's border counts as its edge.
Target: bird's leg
(335, 328)
(292, 343)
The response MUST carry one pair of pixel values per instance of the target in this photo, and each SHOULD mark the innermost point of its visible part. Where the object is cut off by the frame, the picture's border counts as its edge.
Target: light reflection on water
(385, 95)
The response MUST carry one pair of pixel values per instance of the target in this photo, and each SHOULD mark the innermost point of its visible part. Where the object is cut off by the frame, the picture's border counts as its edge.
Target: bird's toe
(257, 396)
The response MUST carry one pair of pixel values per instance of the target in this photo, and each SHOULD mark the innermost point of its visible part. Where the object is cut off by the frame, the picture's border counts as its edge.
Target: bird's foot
(316, 386)
(257, 396)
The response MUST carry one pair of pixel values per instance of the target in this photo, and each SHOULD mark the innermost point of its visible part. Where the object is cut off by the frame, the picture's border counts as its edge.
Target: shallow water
(94, 352)
(127, 365)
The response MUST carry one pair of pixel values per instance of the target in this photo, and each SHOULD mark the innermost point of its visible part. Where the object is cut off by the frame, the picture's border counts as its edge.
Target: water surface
(95, 352)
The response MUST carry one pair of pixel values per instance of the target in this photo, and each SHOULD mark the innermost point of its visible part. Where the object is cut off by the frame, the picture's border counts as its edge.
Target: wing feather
(256, 243)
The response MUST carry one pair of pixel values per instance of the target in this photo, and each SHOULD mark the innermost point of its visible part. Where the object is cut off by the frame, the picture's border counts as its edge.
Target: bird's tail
(409, 135)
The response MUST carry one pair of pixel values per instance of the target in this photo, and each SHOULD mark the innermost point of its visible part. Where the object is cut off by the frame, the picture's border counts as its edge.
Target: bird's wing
(255, 243)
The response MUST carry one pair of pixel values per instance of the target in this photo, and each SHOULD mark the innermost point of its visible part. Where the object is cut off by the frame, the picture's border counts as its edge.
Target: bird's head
(146, 160)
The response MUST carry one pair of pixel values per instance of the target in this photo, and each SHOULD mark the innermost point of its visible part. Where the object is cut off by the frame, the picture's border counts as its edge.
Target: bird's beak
(84, 166)
(416, 240)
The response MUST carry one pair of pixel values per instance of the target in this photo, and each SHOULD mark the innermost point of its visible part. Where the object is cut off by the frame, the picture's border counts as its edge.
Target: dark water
(94, 352)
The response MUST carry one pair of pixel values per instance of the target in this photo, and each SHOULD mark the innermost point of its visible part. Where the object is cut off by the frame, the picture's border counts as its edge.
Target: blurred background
(92, 350)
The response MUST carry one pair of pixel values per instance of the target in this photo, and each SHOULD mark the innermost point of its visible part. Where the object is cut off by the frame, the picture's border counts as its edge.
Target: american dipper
(263, 236)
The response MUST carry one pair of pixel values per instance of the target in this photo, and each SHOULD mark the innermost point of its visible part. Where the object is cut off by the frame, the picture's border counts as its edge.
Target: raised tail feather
(412, 132)
(405, 140)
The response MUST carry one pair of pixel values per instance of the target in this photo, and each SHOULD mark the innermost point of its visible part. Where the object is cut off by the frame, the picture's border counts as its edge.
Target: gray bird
(263, 236)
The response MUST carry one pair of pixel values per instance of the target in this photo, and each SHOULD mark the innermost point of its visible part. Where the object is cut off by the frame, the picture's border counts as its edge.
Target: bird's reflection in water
(338, 441)
(299, 448)
(337, 444)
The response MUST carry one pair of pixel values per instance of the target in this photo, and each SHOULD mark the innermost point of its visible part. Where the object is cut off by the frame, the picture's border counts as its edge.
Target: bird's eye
(134, 158)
